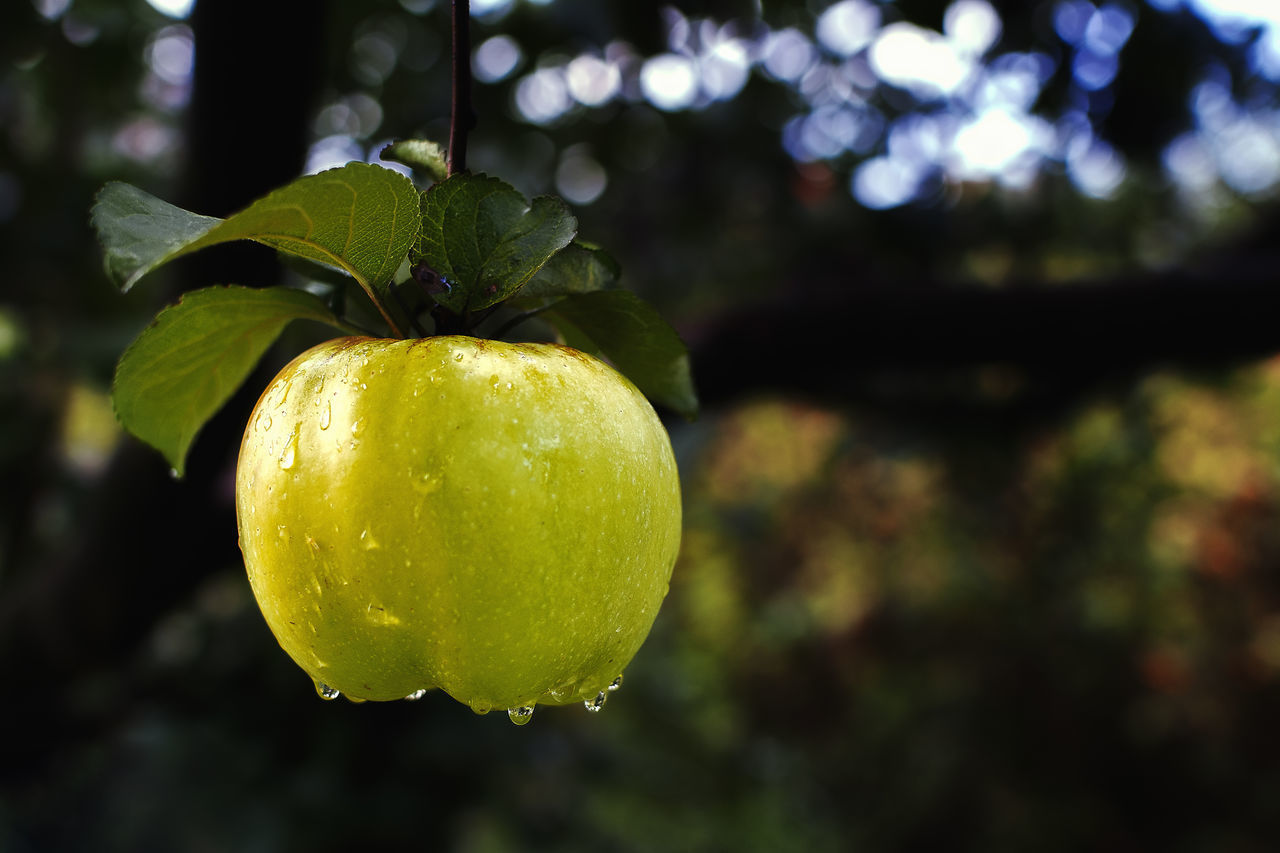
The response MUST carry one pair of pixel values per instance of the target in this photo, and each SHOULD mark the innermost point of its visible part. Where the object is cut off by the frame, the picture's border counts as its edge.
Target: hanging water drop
(615, 684)
(563, 693)
(594, 705)
(520, 715)
(416, 695)
(326, 692)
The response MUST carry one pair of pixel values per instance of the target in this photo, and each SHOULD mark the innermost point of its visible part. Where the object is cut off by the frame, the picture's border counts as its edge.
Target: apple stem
(462, 117)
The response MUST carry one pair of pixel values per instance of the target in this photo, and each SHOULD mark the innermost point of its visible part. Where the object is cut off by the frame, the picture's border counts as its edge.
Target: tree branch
(462, 116)
(853, 340)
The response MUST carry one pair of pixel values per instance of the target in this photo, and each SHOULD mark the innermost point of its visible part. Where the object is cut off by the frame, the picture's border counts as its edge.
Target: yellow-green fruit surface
(495, 520)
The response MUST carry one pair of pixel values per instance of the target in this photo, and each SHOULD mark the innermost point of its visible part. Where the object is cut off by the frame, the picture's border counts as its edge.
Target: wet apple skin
(495, 520)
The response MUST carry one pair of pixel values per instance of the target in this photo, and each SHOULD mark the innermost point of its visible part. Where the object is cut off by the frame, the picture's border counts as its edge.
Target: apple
(495, 520)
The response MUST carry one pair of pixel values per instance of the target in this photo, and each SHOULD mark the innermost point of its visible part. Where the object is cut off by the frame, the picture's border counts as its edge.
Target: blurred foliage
(961, 626)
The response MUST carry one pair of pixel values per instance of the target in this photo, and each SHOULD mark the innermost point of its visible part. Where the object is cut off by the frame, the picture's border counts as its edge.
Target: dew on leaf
(594, 705)
(521, 714)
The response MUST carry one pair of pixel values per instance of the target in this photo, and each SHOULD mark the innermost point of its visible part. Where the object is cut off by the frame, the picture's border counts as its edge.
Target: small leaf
(195, 354)
(486, 240)
(577, 268)
(359, 218)
(623, 328)
(421, 155)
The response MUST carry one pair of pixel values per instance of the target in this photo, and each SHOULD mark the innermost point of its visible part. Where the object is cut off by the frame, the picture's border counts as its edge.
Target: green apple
(495, 520)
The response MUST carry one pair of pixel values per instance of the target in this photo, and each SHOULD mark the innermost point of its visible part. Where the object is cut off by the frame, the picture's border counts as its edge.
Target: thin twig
(517, 320)
(462, 117)
(413, 318)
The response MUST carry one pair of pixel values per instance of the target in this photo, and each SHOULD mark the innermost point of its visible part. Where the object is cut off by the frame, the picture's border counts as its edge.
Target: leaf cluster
(448, 256)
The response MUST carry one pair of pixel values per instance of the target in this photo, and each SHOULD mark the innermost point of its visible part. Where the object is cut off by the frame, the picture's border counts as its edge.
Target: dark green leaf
(486, 240)
(578, 268)
(185, 365)
(359, 218)
(421, 155)
(623, 328)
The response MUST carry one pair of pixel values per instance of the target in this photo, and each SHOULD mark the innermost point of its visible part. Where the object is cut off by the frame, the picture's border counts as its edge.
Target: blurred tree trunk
(145, 542)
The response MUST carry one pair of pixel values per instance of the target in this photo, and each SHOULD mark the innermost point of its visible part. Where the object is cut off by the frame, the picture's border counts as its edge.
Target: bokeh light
(495, 58)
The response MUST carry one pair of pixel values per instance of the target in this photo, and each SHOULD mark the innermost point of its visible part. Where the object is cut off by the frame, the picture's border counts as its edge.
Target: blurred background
(982, 545)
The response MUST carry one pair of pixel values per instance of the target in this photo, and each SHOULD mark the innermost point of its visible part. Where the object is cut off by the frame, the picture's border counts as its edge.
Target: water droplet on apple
(283, 531)
(563, 692)
(326, 692)
(265, 423)
(357, 427)
(326, 415)
(594, 705)
(290, 452)
(457, 356)
(615, 684)
(520, 715)
(367, 540)
(426, 484)
(416, 695)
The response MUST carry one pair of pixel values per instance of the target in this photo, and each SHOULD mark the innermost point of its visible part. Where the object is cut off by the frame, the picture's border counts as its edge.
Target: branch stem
(518, 319)
(382, 309)
(462, 116)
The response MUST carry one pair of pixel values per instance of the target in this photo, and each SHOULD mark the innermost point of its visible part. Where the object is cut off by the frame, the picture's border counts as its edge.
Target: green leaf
(629, 332)
(577, 268)
(421, 155)
(486, 240)
(359, 218)
(195, 354)
(139, 231)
